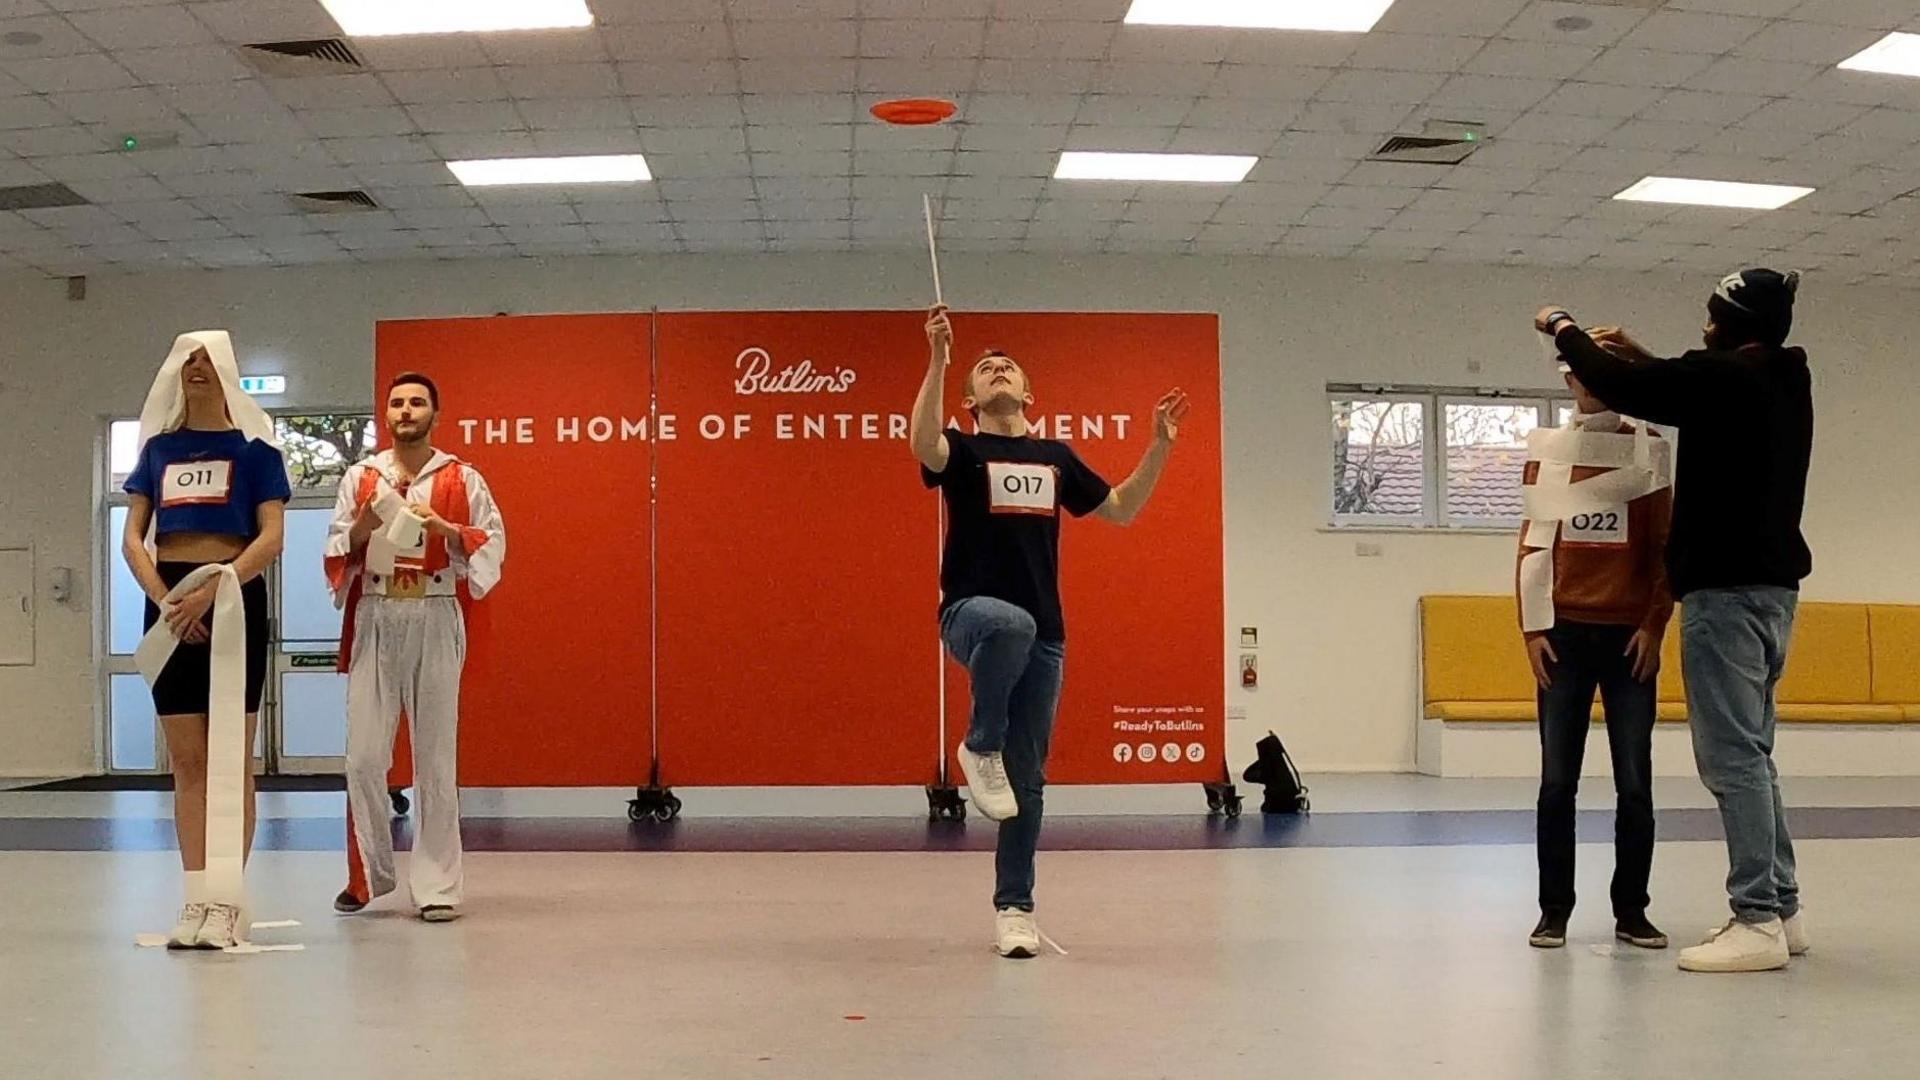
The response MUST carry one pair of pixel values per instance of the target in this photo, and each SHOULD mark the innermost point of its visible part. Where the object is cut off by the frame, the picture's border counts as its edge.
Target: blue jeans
(1595, 656)
(1734, 649)
(1016, 689)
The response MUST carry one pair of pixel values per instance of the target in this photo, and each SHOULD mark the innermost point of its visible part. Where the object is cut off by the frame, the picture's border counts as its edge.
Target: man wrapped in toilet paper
(415, 539)
(1595, 602)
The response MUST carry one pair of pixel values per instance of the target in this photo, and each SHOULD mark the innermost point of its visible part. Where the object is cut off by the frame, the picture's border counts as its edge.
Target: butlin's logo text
(757, 376)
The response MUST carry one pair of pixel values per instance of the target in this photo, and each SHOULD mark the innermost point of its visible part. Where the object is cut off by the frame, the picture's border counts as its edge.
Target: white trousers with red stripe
(407, 656)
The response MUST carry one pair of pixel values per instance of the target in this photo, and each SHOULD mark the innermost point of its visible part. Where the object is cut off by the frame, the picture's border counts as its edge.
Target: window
(320, 446)
(1379, 460)
(302, 718)
(1487, 458)
(123, 452)
(1433, 457)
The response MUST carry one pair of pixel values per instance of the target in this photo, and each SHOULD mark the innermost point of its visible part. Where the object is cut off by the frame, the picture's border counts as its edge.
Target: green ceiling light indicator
(135, 141)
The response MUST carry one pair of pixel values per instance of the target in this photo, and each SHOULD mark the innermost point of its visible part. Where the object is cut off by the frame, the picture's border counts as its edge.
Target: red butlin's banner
(796, 603)
(797, 564)
(545, 408)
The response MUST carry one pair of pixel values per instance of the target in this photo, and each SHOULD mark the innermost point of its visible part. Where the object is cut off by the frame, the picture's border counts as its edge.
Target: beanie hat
(1755, 305)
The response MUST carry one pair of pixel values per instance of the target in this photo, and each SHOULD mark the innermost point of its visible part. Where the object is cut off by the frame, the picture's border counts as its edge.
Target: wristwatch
(1554, 320)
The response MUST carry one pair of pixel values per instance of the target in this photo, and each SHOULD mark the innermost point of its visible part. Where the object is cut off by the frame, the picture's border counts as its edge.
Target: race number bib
(1601, 527)
(1020, 488)
(196, 483)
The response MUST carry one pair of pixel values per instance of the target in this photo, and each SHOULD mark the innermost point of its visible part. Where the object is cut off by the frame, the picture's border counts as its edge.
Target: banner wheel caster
(945, 804)
(1223, 800)
(653, 804)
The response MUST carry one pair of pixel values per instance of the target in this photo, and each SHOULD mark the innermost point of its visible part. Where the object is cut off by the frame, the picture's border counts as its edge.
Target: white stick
(933, 252)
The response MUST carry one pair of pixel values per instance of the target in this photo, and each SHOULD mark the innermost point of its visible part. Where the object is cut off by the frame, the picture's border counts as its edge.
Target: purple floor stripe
(1107, 833)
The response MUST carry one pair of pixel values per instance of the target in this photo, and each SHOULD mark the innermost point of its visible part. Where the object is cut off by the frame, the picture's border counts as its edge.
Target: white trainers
(186, 932)
(222, 928)
(987, 780)
(1739, 946)
(1014, 934)
(1797, 940)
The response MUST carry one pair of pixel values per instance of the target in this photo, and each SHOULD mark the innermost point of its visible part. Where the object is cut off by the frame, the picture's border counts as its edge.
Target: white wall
(1338, 662)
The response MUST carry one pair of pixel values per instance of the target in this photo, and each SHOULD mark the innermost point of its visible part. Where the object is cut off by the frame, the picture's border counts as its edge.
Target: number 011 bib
(196, 483)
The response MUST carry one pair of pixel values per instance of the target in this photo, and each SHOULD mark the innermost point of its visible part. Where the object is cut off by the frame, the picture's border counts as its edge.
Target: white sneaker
(1015, 935)
(987, 780)
(1797, 940)
(222, 928)
(186, 932)
(1739, 946)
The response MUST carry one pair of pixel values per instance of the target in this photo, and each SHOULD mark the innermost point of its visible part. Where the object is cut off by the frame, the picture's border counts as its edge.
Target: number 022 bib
(1015, 487)
(1599, 528)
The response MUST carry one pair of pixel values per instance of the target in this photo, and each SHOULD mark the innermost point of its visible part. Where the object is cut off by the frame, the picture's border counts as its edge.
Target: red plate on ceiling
(914, 112)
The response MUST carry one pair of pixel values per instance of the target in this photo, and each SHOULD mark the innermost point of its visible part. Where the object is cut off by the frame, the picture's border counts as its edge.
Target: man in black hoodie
(1736, 557)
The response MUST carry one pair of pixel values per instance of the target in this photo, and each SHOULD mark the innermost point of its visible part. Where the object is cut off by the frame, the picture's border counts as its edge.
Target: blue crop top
(208, 481)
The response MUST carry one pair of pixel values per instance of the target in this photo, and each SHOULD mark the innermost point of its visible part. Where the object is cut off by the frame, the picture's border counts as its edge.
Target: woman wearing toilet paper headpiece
(204, 521)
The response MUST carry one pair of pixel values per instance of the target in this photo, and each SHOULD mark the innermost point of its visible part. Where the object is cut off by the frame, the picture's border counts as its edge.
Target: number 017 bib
(196, 483)
(1020, 488)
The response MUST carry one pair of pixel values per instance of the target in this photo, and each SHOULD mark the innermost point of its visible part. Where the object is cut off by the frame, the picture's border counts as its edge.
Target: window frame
(1427, 489)
(1433, 400)
(110, 496)
(1445, 519)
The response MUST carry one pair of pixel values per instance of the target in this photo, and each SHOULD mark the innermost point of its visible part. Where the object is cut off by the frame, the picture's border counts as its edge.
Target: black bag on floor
(1274, 769)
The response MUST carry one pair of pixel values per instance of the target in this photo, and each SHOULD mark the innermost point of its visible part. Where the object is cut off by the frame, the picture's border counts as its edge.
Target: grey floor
(1313, 963)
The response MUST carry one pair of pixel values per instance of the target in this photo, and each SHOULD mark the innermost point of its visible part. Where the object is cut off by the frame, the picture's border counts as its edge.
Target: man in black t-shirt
(1000, 612)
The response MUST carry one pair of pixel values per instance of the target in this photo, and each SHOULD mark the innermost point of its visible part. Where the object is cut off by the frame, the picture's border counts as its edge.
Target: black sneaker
(347, 903)
(439, 913)
(1551, 933)
(1636, 931)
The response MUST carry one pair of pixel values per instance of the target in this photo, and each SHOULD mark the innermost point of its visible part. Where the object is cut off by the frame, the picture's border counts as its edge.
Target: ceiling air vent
(1427, 149)
(291, 59)
(39, 197)
(333, 202)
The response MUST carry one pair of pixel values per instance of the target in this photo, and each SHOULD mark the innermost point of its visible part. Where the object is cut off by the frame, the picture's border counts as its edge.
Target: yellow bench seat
(1849, 664)
(1674, 712)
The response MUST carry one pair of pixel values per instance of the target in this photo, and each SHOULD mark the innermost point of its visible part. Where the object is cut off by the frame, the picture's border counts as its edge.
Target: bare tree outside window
(320, 446)
(1379, 466)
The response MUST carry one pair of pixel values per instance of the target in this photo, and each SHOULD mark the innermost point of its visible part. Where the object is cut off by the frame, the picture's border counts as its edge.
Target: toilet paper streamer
(226, 722)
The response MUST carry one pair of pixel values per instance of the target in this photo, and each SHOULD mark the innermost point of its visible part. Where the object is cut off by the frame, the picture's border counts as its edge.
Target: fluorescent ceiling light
(1668, 189)
(497, 172)
(380, 18)
(1181, 168)
(1895, 54)
(1348, 16)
